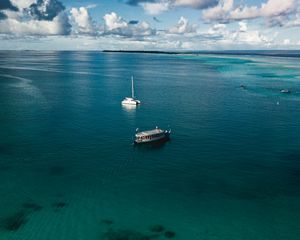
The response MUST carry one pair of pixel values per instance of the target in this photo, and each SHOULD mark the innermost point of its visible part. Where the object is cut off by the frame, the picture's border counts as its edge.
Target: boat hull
(130, 101)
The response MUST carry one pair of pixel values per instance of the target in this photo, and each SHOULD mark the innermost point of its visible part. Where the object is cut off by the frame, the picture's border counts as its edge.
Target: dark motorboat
(154, 135)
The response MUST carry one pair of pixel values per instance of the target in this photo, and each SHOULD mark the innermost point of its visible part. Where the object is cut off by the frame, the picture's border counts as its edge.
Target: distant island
(274, 53)
(142, 51)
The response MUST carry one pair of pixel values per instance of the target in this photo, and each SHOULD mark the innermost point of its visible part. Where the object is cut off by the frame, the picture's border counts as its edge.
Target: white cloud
(243, 26)
(113, 21)
(217, 30)
(182, 27)
(116, 25)
(219, 12)
(156, 7)
(250, 38)
(286, 41)
(196, 3)
(82, 20)
(14, 26)
(160, 6)
(277, 7)
(22, 3)
(295, 22)
(275, 12)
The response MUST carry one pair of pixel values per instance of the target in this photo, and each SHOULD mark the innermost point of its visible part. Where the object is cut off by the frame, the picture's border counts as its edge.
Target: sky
(149, 24)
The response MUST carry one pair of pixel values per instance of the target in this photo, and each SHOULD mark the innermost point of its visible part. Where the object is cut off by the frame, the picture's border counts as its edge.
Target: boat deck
(149, 133)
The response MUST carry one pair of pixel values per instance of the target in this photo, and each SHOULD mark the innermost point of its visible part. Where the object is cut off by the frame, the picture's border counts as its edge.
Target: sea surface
(68, 169)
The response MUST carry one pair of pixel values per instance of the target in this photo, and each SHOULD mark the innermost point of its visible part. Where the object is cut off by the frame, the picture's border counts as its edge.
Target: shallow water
(69, 171)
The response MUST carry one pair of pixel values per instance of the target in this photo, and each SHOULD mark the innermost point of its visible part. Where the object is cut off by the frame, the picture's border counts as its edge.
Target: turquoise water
(68, 169)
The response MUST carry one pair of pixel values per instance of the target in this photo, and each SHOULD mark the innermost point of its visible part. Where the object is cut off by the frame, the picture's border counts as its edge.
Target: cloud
(82, 21)
(220, 12)
(6, 5)
(116, 25)
(113, 21)
(21, 4)
(16, 27)
(182, 27)
(155, 7)
(286, 41)
(274, 12)
(243, 26)
(91, 6)
(46, 9)
(199, 4)
(295, 22)
(43, 18)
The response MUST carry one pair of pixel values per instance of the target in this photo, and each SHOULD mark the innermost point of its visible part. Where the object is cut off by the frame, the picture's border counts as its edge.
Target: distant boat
(285, 91)
(131, 100)
(153, 135)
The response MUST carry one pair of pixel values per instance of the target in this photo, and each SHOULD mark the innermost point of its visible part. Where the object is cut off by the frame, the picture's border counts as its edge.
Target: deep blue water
(68, 169)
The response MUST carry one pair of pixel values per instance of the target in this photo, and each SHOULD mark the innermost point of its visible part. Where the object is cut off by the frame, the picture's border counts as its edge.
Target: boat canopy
(149, 133)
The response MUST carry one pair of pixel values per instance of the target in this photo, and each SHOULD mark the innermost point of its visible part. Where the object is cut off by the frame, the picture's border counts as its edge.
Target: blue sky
(149, 24)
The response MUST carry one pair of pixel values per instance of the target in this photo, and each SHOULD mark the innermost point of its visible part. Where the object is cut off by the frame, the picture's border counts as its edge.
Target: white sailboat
(131, 100)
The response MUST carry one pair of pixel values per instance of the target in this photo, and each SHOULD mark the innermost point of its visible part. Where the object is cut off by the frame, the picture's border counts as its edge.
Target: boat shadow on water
(152, 145)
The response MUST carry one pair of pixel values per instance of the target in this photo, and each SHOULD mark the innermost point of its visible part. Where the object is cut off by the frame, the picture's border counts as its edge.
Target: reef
(169, 234)
(157, 228)
(59, 205)
(107, 221)
(32, 206)
(14, 221)
(125, 234)
(156, 232)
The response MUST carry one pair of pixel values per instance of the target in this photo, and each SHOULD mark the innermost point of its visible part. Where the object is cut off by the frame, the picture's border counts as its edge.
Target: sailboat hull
(130, 101)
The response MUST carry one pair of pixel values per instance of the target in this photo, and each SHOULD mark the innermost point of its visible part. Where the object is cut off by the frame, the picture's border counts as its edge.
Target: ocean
(68, 169)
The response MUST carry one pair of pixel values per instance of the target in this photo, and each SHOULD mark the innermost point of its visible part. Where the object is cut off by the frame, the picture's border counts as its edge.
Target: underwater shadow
(154, 145)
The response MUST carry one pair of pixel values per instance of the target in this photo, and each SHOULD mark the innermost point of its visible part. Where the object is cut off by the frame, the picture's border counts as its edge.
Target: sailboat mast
(132, 88)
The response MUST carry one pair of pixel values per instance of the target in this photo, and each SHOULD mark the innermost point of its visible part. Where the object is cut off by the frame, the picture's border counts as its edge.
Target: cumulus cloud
(295, 22)
(199, 4)
(250, 38)
(217, 29)
(46, 9)
(41, 18)
(6, 5)
(274, 12)
(21, 4)
(113, 21)
(286, 41)
(182, 27)
(243, 26)
(83, 22)
(116, 25)
(155, 7)
(220, 12)
(38, 28)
